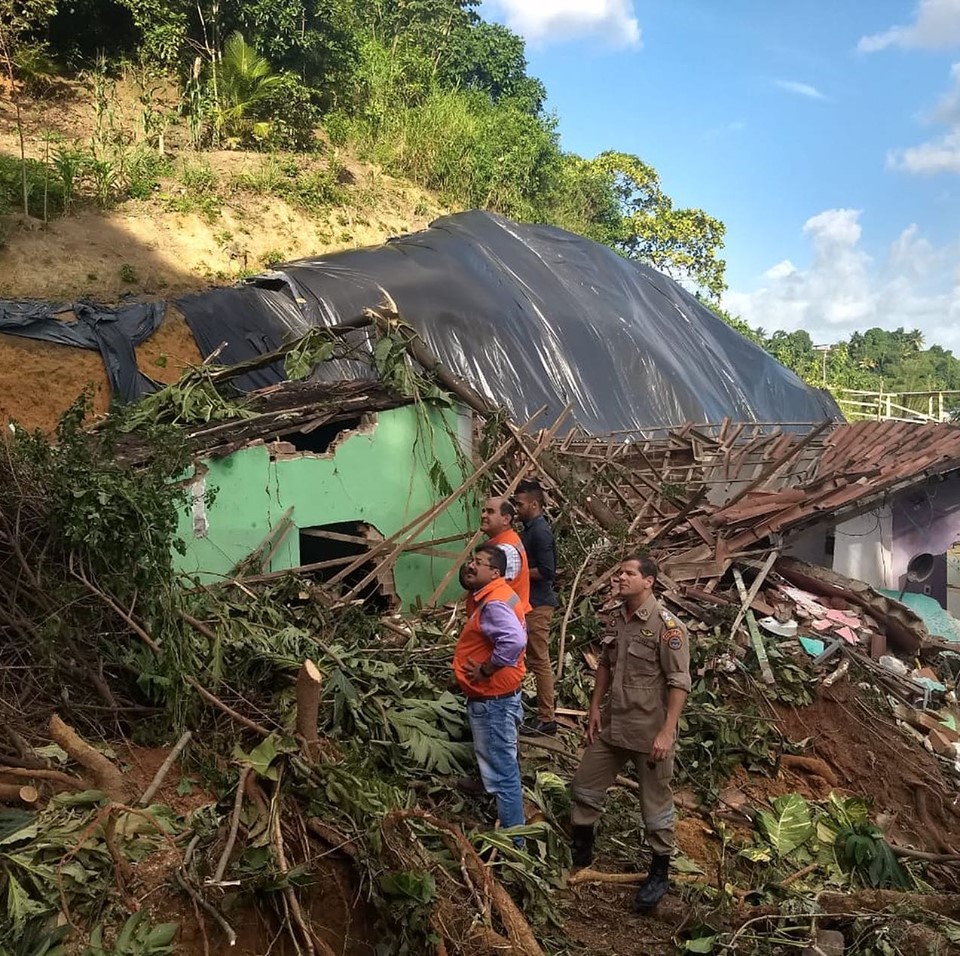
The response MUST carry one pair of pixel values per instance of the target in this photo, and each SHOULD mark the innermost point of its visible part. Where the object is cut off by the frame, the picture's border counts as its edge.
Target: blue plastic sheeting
(939, 622)
(112, 332)
(531, 316)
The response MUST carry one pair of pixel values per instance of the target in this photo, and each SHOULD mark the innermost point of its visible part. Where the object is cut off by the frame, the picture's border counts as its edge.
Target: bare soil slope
(213, 218)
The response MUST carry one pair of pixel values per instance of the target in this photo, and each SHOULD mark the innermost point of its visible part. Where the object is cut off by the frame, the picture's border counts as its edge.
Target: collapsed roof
(531, 316)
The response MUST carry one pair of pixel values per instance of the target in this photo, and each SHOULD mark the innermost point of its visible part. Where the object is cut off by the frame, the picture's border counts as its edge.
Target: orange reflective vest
(521, 583)
(476, 646)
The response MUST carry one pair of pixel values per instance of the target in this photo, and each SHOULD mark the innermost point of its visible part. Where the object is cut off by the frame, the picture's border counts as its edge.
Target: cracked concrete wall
(379, 475)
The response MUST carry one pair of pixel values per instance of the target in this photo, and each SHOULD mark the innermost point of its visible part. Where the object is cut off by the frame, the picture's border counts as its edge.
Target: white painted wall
(953, 581)
(863, 548)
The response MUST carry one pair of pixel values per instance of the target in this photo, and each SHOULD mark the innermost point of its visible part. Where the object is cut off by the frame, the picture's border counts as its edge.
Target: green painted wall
(379, 474)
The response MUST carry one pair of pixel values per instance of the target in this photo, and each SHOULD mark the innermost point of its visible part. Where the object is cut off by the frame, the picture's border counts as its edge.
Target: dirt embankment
(184, 238)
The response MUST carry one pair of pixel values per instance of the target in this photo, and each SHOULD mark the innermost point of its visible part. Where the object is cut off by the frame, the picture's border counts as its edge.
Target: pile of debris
(308, 791)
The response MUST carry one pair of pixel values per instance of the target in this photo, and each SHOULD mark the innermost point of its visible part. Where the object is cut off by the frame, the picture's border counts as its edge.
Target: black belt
(512, 693)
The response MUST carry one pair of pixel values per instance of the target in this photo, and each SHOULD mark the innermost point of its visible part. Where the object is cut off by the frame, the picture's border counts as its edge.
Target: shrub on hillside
(286, 117)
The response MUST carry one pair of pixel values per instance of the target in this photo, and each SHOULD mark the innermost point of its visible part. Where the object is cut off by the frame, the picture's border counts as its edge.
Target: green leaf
(16, 825)
(160, 937)
(410, 884)
(95, 947)
(848, 811)
(52, 752)
(789, 826)
(260, 757)
(951, 929)
(826, 835)
(20, 907)
(705, 944)
(84, 798)
(683, 864)
(756, 854)
(125, 939)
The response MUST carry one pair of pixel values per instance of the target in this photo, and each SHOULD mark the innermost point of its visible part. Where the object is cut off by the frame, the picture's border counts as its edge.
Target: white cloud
(801, 89)
(942, 154)
(936, 26)
(844, 290)
(543, 21)
(948, 109)
(937, 156)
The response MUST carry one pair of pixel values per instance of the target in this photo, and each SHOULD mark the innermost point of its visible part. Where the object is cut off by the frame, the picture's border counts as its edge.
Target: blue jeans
(494, 724)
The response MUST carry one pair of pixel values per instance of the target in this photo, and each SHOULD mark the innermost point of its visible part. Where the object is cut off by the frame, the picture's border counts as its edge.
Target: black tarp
(112, 332)
(529, 315)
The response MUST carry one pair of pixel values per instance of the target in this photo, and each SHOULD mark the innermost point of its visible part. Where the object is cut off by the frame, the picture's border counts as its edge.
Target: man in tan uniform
(645, 669)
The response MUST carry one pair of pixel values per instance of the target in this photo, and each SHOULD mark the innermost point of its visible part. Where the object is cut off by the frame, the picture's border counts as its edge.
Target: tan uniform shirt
(647, 653)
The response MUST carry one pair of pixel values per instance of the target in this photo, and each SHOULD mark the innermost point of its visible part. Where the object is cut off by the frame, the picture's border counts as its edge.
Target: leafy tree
(490, 57)
(165, 28)
(682, 242)
(244, 80)
(316, 39)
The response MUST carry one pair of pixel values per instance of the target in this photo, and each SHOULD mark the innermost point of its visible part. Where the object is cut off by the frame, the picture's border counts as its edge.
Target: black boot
(581, 848)
(654, 887)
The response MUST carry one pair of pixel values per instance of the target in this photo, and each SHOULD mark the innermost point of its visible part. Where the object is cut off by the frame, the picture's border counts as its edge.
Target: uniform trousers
(538, 658)
(597, 772)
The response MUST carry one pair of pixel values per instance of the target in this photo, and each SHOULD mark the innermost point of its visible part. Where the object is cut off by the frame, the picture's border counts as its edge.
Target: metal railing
(860, 405)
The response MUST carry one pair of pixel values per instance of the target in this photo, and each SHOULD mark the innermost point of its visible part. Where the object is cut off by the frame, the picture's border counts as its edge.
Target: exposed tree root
(104, 774)
(813, 765)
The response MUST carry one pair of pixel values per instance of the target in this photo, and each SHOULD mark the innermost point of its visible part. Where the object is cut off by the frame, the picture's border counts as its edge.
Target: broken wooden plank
(754, 588)
(756, 638)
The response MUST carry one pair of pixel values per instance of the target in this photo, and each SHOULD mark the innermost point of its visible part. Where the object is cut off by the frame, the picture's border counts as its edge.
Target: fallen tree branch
(333, 838)
(214, 913)
(589, 875)
(26, 753)
(514, 922)
(116, 608)
(161, 774)
(569, 610)
(308, 939)
(908, 854)
(234, 825)
(104, 774)
(65, 780)
(220, 705)
(798, 875)
(875, 901)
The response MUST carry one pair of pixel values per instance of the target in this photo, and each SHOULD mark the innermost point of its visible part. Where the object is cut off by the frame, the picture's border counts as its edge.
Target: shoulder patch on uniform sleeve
(672, 634)
(675, 643)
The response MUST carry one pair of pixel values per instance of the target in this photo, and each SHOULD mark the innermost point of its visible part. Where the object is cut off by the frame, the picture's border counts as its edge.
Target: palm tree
(244, 78)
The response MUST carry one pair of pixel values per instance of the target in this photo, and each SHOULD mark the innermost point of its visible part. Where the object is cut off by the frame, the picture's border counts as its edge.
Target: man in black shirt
(542, 557)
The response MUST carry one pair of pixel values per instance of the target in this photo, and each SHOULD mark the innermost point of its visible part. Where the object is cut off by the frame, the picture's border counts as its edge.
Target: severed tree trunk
(309, 685)
(14, 793)
(104, 774)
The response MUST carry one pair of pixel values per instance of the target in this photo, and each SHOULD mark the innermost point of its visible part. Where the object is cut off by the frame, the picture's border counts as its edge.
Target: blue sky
(826, 135)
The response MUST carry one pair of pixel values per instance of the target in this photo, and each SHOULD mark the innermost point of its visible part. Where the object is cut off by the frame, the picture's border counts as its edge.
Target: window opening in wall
(830, 543)
(319, 440)
(335, 545)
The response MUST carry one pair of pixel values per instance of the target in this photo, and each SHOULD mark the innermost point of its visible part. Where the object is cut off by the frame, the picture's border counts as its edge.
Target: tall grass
(458, 142)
